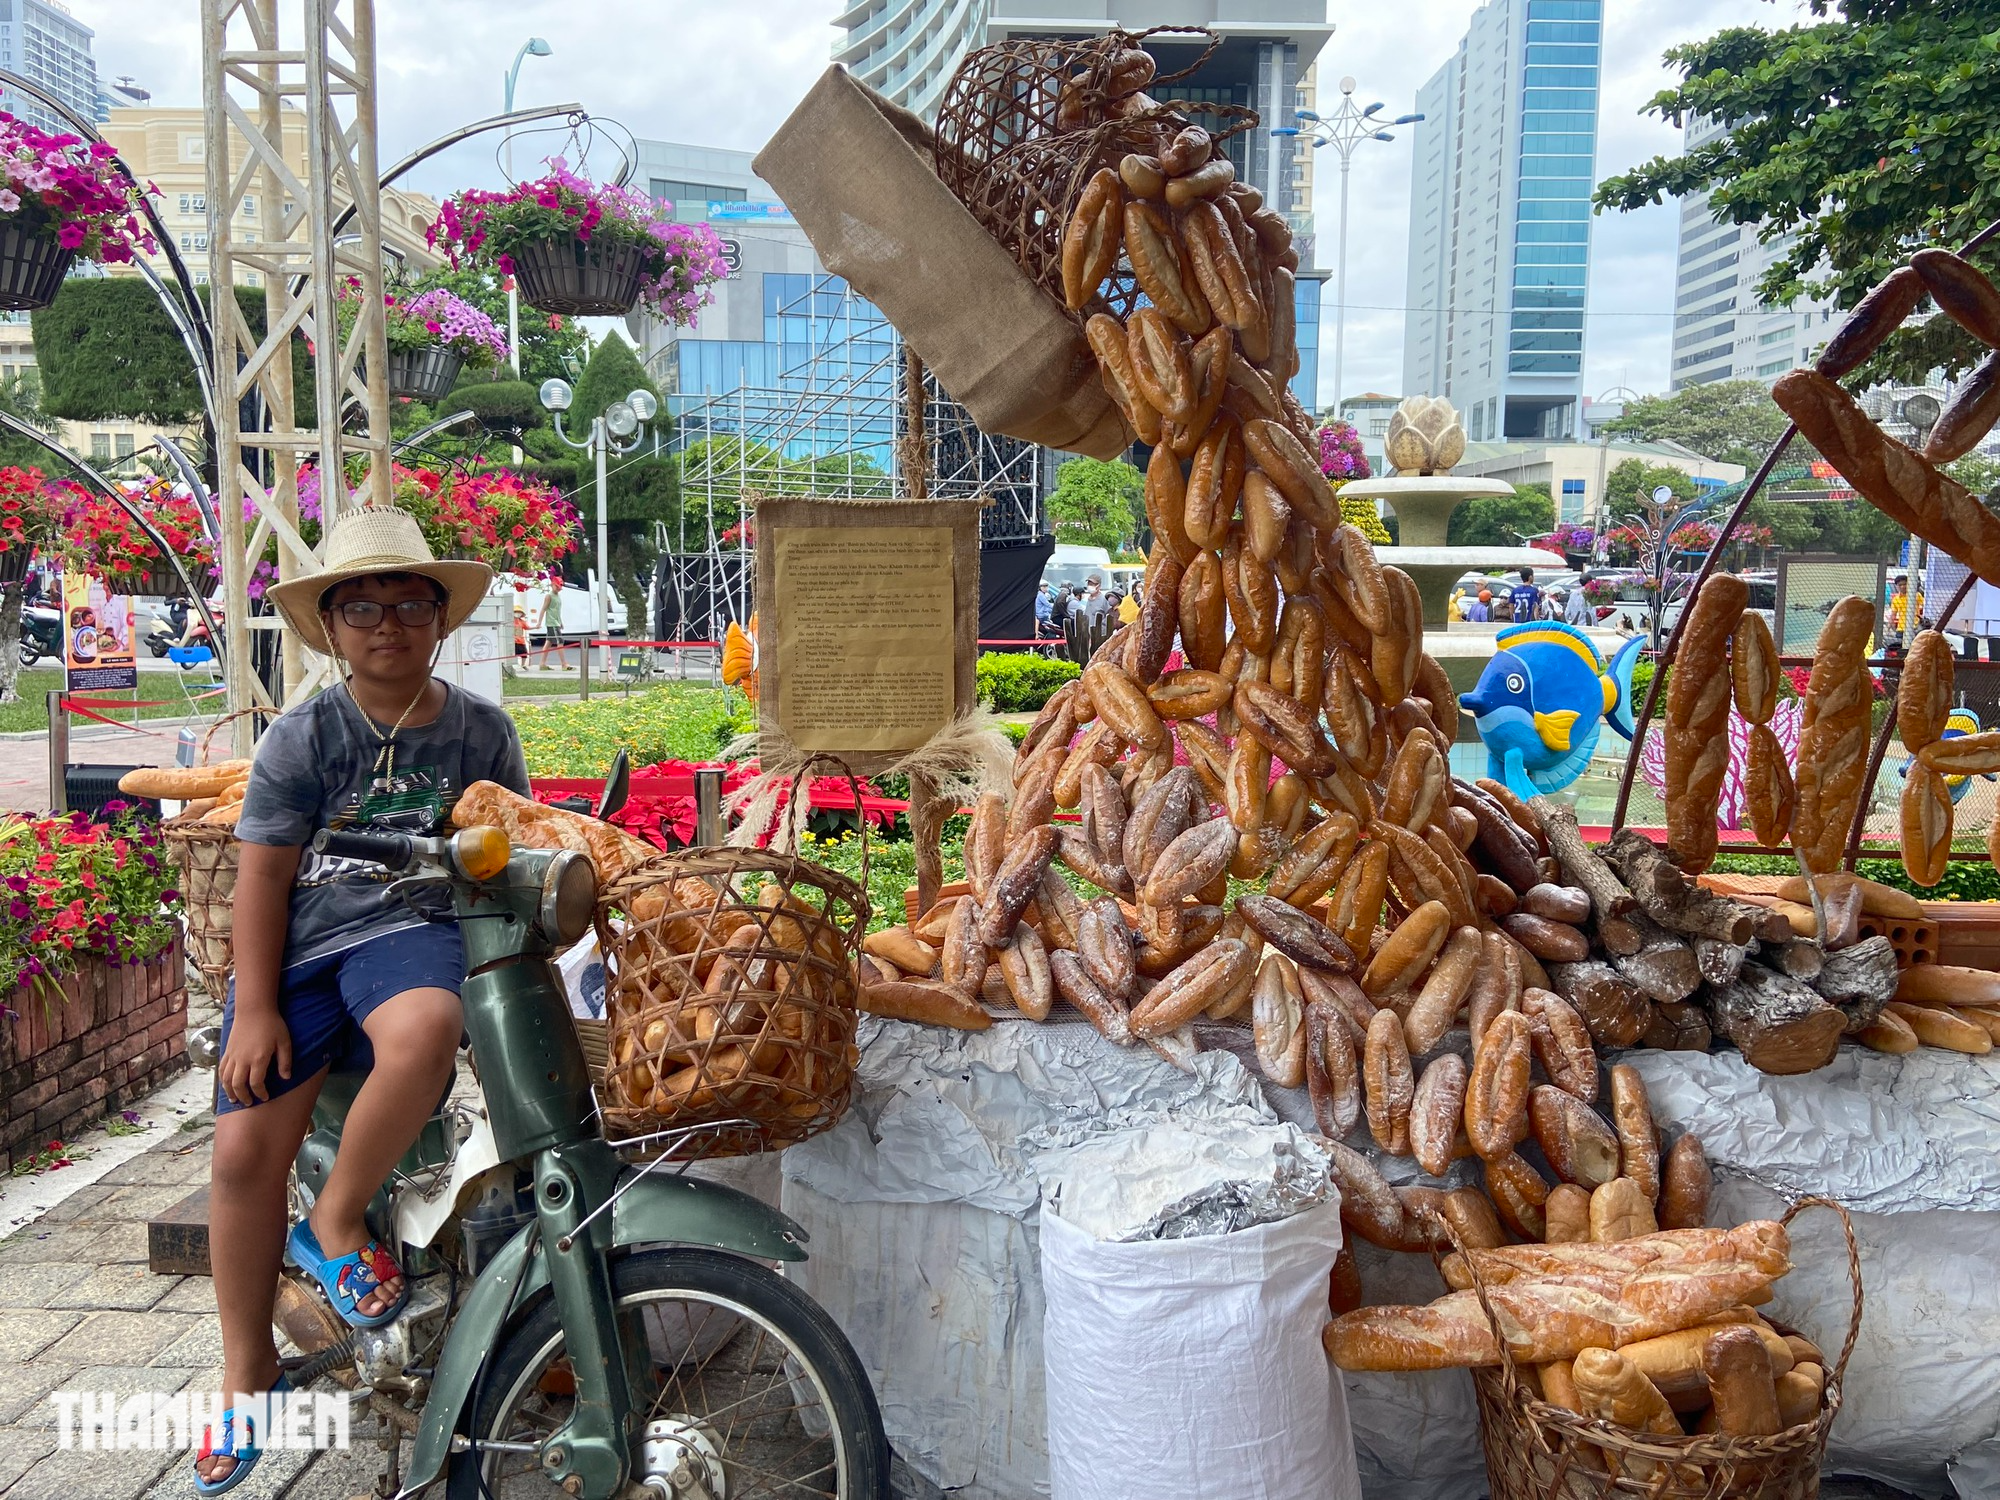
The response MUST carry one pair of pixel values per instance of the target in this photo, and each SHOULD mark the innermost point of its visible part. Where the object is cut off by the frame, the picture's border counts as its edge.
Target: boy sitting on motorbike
(331, 969)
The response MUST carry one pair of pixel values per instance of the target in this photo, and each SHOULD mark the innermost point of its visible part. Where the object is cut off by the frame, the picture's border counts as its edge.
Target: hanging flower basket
(579, 280)
(583, 249)
(423, 374)
(32, 268)
(163, 581)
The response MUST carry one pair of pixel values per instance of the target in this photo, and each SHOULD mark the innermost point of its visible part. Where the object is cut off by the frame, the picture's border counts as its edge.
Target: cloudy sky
(726, 72)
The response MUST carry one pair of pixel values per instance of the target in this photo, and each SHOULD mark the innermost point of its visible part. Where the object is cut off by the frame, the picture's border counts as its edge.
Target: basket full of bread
(1611, 1363)
(202, 839)
(730, 994)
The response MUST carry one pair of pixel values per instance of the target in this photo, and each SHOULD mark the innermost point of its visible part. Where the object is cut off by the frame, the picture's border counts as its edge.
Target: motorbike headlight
(569, 897)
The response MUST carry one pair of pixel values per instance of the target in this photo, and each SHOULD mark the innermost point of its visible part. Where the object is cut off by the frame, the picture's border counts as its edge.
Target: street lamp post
(620, 429)
(1921, 411)
(1347, 127)
(534, 46)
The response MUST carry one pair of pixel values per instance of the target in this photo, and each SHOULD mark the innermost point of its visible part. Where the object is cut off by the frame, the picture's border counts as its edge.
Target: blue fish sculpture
(1541, 702)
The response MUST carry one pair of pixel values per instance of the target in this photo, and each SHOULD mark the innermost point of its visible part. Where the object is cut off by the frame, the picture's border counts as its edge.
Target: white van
(579, 605)
(1071, 565)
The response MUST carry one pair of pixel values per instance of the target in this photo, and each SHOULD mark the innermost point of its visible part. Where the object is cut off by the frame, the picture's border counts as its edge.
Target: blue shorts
(323, 1001)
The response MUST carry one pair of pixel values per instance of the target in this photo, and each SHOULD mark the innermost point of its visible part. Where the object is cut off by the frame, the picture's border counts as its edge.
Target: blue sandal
(246, 1457)
(346, 1279)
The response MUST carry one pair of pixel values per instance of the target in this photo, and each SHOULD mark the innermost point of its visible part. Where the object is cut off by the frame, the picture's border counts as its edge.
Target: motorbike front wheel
(27, 651)
(754, 1391)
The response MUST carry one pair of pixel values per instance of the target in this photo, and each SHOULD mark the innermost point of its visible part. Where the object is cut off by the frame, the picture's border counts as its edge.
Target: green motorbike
(578, 1325)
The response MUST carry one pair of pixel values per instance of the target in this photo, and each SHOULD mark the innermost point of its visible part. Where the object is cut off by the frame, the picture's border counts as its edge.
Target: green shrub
(1964, 880)
(1017, 682)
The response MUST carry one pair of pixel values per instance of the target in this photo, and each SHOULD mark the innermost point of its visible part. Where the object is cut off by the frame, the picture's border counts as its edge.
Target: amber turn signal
(481, 853)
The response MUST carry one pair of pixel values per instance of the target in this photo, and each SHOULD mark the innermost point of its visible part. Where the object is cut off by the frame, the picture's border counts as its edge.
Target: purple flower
(71, 236)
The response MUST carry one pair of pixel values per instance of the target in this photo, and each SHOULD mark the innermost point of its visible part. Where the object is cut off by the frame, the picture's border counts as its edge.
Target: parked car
(1763, 601)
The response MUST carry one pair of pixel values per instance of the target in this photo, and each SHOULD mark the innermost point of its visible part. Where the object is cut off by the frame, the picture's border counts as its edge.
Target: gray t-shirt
(316, 768)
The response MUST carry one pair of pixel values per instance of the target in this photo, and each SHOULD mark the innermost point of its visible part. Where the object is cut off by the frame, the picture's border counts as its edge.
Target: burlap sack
(855, 170)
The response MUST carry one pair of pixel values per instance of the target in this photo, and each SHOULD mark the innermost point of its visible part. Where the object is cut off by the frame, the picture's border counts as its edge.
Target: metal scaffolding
(249, 80)
(831, 426)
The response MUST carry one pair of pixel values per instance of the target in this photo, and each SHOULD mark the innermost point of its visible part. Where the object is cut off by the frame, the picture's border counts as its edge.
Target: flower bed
(91, 965)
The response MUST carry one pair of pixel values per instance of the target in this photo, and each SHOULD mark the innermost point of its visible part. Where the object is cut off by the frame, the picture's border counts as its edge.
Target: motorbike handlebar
(393, 850)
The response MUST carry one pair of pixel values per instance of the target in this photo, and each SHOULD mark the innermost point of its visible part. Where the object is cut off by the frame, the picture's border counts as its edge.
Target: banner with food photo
(97, 636)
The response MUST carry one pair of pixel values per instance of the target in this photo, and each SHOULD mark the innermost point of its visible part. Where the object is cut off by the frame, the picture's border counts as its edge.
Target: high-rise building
(1500, 184)
(45, 44)
(1722, 330)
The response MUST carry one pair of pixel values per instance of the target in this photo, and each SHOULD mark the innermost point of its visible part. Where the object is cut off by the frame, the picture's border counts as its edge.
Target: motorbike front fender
(659, 1210)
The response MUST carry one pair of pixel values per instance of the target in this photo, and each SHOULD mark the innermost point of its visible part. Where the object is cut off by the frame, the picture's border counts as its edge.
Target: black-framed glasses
(366, 614)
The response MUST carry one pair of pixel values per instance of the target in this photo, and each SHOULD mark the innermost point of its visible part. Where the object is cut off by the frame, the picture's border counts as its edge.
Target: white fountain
(1425, 440)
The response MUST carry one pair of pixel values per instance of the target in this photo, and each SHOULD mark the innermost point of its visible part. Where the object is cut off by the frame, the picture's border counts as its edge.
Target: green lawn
(674, 721)
(35, 684)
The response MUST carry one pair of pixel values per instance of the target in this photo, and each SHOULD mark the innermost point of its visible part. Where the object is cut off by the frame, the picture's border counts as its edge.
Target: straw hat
(377, 539)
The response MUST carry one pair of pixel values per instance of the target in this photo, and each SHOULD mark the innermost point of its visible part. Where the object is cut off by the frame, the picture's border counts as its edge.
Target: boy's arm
(264, 878)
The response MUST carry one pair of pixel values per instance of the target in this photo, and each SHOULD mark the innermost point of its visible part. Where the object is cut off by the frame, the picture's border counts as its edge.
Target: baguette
(1742, 1374)
(529, 824)
(1638, 1137)
(1620, 1210)
(182, 783)
(1578, 1144)
(1877, 900)
(1833, 739)
(1566, 1215)
(1925, 825)
(1947, 984)
(1675, 1361)
(1964, 754)
(1685, 1184)
(932, 1002)
(1753, 669)
(1698, 718)
(1942, 1028)
(1800, 1390)
(1924, 693)
(1889, 1033)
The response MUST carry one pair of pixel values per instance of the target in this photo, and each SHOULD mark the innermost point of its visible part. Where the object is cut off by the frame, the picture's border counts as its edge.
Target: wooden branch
(1582, 865)
(1667, 896)
(1620, 936)
(1780, 1025)
(1615, 1010)
(1859, 980)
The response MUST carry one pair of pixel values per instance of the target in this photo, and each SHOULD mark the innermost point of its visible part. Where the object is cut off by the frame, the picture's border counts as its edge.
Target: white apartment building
(1500, 180)
(1722, 331)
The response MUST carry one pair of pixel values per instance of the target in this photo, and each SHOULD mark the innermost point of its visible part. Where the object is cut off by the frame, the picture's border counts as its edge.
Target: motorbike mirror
(617, 786)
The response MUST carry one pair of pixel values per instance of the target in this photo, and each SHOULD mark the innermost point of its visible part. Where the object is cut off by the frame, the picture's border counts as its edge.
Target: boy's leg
(414, 1036)
(247, 1216)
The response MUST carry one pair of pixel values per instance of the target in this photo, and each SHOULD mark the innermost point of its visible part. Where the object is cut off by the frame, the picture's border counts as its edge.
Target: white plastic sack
(1193, 1367)
(582, 969)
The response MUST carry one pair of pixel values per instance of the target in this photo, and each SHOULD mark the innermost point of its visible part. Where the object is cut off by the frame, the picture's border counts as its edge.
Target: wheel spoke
(714, 1363)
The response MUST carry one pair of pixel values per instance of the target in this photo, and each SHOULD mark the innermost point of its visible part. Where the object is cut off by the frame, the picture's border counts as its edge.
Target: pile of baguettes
(1657, 1332)
(213, 794)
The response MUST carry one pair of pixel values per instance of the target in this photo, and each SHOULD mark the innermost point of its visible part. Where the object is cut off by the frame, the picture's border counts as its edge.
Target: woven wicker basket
(730, 995)
(1008, 150)
(206, 855)
(1535, 1451)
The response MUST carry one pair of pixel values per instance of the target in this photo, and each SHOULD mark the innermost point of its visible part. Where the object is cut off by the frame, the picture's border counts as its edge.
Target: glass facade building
(48, 46)
(1502, 171)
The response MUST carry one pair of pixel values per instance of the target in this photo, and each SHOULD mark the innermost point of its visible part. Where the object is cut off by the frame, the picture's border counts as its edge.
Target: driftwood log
(1664, 967)
(1679, 1026)
(1802, 958)
(1667, 896)
(1717, 960)
(1859, 980)
(1779, 1024)
(1584, 867)
(1614, 1009)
